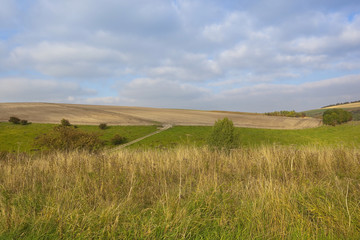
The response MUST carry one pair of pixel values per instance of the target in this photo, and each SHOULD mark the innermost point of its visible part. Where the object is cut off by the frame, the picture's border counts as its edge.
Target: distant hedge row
(286, 114)
(336, 116)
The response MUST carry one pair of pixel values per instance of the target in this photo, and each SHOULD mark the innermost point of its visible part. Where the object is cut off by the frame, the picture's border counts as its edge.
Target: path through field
(163, 128)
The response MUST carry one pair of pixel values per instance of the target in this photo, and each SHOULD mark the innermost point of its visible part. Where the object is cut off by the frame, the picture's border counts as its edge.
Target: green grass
(14, 138)
(345, 135)
(20, 138)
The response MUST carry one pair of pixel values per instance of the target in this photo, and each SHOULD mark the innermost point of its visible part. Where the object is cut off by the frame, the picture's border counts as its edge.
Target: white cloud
(162, 93)
(179, 53)
(22, 89)
(67, 59)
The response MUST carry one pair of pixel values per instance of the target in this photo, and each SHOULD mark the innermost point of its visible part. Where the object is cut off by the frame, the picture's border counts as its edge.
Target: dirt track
(115, 115)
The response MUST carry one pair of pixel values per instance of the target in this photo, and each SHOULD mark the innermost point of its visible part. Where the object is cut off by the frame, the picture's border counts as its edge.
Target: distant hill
(344, 105)
(117, 115)
(353, 107)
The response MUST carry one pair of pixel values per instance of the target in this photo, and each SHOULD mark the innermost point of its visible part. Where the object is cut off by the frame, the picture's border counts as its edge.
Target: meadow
(279, 184)
(347, 135)
(18, 138)
(265, 192)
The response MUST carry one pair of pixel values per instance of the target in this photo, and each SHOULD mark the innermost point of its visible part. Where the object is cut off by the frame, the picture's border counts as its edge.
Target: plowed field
(116, 115)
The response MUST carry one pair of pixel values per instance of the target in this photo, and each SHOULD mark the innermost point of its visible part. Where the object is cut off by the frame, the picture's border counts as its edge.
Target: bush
(24, 122)
(65, 138)
(14, 120)
(65, 123)
(222, 136)
(102, 126)
(117, 139)
(336, 116)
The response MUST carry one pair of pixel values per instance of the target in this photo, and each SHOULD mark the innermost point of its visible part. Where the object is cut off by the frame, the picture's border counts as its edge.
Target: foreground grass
(346, 135)
(183, 193)
(19, 138)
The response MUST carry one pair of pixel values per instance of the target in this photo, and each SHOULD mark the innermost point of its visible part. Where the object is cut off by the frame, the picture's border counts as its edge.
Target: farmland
(140, 116)
(279, 184)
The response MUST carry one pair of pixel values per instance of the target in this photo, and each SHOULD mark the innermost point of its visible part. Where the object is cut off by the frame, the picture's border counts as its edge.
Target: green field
(343, 135)
(19, 138)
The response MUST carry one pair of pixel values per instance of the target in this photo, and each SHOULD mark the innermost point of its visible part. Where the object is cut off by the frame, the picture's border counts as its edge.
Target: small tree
(65, 123)
(14, 120)
(102, 126)
(223, 135)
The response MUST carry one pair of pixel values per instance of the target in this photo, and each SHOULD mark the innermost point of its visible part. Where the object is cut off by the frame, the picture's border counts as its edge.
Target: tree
(223, 135)
(336, 116)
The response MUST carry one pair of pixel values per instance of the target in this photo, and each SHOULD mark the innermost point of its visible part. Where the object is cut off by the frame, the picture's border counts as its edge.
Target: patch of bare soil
(116, 115)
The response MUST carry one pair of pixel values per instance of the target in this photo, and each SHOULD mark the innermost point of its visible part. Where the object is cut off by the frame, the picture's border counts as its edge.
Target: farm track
(164, 127)
(116, 115)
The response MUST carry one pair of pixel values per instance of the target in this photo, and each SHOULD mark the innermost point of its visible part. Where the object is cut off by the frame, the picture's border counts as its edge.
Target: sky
(238, 55)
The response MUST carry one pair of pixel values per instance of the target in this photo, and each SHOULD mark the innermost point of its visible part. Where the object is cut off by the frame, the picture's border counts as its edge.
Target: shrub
(222, 136)
(336, 116)
(65, 138)
(117, 139)
(65, 122)
(102, 126)
(14, 120)
(24, 122)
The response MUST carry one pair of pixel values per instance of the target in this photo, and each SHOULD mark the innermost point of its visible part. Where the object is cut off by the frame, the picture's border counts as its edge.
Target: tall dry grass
(193, 193)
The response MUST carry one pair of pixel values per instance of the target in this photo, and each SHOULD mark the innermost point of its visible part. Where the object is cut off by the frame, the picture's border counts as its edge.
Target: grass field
(267, 192)
(344, 135)
(20, 138)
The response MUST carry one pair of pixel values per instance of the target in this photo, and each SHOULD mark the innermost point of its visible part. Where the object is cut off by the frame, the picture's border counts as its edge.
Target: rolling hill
(117, 115)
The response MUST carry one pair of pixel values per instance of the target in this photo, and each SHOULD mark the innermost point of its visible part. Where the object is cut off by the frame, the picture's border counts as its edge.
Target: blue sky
(254, 56)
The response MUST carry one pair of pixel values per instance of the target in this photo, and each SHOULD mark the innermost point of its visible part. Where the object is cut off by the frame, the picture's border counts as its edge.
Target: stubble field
(115, 115)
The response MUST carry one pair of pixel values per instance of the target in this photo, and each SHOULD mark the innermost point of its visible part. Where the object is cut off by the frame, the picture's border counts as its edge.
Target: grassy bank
(253, 193)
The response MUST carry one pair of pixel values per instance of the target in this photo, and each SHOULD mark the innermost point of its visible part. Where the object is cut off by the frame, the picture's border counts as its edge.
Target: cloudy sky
(240, 55)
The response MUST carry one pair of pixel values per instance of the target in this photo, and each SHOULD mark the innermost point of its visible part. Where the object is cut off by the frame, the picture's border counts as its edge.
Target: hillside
(116, 115)
(347, 105)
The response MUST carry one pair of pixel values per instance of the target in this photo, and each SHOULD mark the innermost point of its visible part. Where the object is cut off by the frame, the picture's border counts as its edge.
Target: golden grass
(252, 193)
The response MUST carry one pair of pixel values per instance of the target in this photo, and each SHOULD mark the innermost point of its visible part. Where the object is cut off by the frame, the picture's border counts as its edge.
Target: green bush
(14, 120)
(223, 135)
(336, 116)
(65, 123)
(102, 126)
(117, 139)
(65, 138)
(24, 122)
